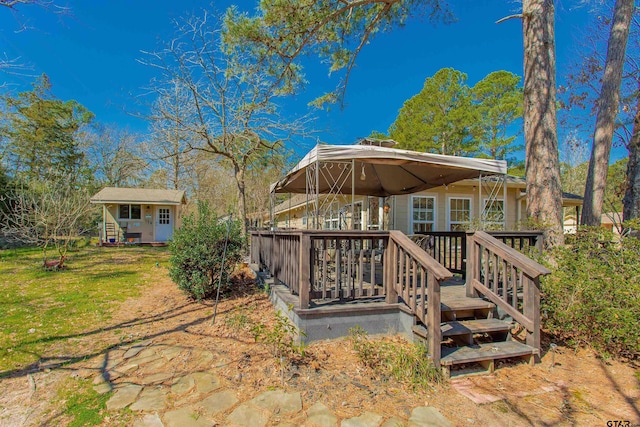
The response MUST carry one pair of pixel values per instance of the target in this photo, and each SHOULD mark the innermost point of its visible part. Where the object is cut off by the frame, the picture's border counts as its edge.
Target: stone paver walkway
(169, 390)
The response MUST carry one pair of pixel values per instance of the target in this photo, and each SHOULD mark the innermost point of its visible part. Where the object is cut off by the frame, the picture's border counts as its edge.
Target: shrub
(197, 249)
(593, 296)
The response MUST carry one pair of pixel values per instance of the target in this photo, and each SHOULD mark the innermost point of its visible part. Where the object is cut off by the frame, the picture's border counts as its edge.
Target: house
(466, 204)
(138, 215)
(380, 194)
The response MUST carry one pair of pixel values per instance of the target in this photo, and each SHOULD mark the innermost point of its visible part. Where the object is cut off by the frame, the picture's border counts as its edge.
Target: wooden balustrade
(415, 276)
(328, 266)
(507, 278)
(449, 248)
(341, 265)
(527, 242)
(323, 265)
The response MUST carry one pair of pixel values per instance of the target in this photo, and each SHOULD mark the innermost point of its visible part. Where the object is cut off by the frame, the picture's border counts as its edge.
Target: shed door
(164, 224)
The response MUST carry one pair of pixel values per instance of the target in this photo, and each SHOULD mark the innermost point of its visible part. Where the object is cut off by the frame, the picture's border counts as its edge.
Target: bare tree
(544, 193)
(232, 97)
(170, 147)
(15, 65)
(115, 154)
(607, 113)
(50, 216)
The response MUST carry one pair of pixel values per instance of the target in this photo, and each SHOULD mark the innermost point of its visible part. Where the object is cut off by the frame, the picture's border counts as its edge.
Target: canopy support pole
(353, 193)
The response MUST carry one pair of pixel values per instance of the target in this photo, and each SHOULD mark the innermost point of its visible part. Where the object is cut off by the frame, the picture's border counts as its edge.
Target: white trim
(448, 208)
(435, 211)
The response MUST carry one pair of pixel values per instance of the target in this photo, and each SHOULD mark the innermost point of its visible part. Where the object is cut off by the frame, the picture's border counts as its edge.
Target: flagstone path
(173, 386)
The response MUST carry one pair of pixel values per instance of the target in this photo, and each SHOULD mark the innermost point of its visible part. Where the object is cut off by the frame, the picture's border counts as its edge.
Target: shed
(138, 215)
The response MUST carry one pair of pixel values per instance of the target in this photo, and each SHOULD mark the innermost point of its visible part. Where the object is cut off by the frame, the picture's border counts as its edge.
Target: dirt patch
(579, 389)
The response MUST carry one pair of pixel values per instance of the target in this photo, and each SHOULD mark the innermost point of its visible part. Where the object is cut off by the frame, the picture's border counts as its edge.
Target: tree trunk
(631, 200)
(242, 199)
(544, 194)
(607, 112)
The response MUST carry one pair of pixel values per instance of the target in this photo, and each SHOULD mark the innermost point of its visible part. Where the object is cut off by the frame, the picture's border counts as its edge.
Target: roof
(139, 195)
(383, 171)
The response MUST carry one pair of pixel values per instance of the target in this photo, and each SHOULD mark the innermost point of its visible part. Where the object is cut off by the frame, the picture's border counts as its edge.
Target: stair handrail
(516, 268)
(399, 281)
(440, 272)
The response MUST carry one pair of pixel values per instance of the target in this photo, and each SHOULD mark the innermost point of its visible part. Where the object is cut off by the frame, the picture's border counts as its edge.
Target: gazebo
(373, 168)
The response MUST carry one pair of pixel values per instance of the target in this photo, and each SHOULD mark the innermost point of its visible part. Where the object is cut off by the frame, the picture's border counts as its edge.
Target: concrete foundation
(333, 320)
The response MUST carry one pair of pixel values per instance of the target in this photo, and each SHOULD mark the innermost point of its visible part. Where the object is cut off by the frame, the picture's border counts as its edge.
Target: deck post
(434, 334)
(391, 295)
(472, 262)
(305, 269)
(531, 310)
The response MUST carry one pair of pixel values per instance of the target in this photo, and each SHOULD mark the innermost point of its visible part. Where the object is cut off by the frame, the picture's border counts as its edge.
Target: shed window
(129, 212)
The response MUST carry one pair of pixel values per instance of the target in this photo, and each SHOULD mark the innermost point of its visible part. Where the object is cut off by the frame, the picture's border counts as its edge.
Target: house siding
(401, 208)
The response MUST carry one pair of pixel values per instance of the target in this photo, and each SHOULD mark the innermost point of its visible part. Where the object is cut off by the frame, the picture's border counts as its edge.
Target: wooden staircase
(458, 319)
(472, 338)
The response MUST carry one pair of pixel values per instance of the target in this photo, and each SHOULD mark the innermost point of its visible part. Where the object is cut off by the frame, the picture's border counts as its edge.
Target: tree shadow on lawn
(56, 362)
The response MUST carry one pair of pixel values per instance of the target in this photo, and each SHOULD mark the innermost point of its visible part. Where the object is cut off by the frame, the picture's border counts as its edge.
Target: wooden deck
(354, 275)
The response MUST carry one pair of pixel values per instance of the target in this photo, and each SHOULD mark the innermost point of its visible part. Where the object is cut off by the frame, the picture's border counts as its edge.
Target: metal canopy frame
(335, 175)
(490, 188)
(314, 172)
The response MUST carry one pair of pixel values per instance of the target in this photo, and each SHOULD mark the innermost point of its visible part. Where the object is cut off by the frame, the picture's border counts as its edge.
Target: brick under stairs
(473, 337)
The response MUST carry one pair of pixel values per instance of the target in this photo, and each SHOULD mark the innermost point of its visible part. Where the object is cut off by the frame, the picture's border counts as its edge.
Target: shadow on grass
(55, 362)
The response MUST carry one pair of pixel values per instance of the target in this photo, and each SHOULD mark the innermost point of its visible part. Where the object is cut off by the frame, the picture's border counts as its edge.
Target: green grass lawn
(40, 309)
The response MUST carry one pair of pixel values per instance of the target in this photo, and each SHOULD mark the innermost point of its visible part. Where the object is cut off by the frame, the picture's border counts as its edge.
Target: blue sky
(91, 56)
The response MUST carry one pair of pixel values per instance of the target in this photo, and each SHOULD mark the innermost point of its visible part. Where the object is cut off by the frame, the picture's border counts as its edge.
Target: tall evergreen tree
(42, 135)
(544, 192)
(498, 99)
(607, 112)
(441, 118)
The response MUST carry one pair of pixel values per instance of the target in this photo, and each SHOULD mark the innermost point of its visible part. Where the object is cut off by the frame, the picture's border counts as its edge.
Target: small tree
(197, 250)
(48, 216)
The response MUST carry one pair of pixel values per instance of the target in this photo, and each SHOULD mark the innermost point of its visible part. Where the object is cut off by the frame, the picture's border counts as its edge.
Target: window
(129, 212)
(493, 214)
(423, 213)
(164, 217)
(459, 213)
(332, 217)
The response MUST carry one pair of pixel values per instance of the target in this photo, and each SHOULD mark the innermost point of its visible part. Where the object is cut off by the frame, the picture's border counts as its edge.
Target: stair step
(462, 327)
(482, 352)
(465, 303)
(478, 326)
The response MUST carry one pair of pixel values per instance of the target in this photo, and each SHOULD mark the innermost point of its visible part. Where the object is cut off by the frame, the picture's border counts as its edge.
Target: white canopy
(380, 171)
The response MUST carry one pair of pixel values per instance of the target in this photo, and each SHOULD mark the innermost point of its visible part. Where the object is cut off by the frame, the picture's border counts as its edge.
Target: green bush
(593, 296)
(197, 250)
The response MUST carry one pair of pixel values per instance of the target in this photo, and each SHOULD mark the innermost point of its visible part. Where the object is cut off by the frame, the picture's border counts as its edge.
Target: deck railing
(324, 265)
(507, 278)
(527, 242)
(415, 276)
(329, 266)
(449, 248)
